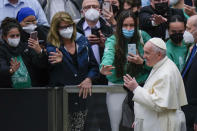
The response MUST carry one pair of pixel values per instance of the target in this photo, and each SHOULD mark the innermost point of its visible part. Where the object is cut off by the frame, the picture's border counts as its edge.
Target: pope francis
(157, 104)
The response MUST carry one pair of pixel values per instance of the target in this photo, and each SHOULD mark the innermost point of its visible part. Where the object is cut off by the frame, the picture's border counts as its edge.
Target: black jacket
(34, 64)
(160, 30)
(189, 79)
(107, 32)
(39, 76)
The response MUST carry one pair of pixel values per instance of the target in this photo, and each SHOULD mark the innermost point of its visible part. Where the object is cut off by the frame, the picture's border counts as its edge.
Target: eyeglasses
(91, 6)
(64, 27)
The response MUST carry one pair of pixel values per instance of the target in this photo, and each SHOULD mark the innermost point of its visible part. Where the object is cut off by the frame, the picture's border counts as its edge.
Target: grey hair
(158, 49)
(194, 18)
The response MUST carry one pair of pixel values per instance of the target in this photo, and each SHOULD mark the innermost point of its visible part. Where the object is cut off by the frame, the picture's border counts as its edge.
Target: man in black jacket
(154, 18)
(189, 75)
(97, 31)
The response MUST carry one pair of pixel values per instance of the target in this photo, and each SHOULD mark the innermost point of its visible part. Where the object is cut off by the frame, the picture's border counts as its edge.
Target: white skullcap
(158, 42)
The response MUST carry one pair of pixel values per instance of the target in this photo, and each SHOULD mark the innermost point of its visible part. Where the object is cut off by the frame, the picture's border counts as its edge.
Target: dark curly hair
(9, 23)
(121, 46)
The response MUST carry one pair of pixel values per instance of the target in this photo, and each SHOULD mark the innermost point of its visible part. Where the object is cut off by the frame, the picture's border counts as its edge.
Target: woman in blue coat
(72, 62)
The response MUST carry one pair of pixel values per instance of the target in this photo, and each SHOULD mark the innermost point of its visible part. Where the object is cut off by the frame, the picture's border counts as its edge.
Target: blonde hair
(53, 37)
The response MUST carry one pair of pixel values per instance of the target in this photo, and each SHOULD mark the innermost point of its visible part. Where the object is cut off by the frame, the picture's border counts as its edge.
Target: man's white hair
(158, 49)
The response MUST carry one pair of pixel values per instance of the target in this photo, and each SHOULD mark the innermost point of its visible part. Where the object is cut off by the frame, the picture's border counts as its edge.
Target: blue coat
(65, 73)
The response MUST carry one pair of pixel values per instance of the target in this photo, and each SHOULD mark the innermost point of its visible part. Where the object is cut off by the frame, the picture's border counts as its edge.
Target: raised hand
(109, 16)
(106, 69)
(158, 19)
(190, 10)
(130, 82)
(14, 65)
(55, 57)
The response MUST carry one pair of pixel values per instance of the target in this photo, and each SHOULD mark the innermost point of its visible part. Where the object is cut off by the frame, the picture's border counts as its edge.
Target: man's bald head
(193, 20)
(90, 2)
(191, 26)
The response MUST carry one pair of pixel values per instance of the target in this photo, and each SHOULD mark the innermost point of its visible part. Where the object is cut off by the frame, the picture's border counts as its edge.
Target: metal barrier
(95, 89)
(46, 105)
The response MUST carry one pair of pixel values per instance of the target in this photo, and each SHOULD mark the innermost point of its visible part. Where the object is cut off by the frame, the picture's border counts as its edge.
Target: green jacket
(177, 54)
(108, 59)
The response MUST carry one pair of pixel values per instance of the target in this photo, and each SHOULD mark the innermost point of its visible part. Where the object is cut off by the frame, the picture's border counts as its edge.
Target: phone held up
(95, 31)
(106, 6)
(132, 48)
(33, 35)
(188, 2)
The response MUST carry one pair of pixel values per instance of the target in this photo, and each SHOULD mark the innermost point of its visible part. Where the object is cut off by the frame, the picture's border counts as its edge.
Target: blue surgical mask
(127, 33)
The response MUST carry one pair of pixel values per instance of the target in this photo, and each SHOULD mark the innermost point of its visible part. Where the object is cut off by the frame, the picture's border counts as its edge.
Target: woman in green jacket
(177, 49)
(116, 61)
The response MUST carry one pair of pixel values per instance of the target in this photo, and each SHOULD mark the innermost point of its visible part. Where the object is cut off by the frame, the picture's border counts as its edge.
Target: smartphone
(188, 2)
(33, 35)
(106, 6)
(95, 31)
(132, 48)
(50, 49)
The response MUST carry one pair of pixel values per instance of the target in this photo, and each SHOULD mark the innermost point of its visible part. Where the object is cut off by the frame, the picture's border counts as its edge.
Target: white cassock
(157, 104)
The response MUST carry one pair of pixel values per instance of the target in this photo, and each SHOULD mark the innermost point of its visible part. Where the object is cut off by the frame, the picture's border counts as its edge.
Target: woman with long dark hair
(116, 61)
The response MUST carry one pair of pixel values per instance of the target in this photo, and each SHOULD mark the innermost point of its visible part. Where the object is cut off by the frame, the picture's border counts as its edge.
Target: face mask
(176, 37)
(173, 2)
(13, 42)
(29, 28)
(66, 33)
(188, 37)
(115, 9)
(161, 8)
(128, 33)
(92, 14)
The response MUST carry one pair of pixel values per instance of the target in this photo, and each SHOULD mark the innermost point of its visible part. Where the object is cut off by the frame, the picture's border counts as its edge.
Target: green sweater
(108, 59)
(177, 54)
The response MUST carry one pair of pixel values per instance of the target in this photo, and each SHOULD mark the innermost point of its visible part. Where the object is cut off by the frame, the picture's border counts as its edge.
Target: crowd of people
(147, 46)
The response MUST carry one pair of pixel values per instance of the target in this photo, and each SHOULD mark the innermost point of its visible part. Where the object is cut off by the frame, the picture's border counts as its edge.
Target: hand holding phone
(33, 35)
(95, 31)
(106, 6)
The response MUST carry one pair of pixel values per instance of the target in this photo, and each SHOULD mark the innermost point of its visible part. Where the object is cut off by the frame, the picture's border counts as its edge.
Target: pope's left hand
(130, 82)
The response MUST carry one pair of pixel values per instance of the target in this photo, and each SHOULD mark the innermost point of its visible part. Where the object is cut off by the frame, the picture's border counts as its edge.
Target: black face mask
(176, 37)
(161, 8)
(115, 9)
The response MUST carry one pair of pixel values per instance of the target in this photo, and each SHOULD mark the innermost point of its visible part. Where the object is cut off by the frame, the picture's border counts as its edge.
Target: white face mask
(92, 14)
(13, 42)
(67, 32)
(29, 28)
(173, 2)
(188, 37)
